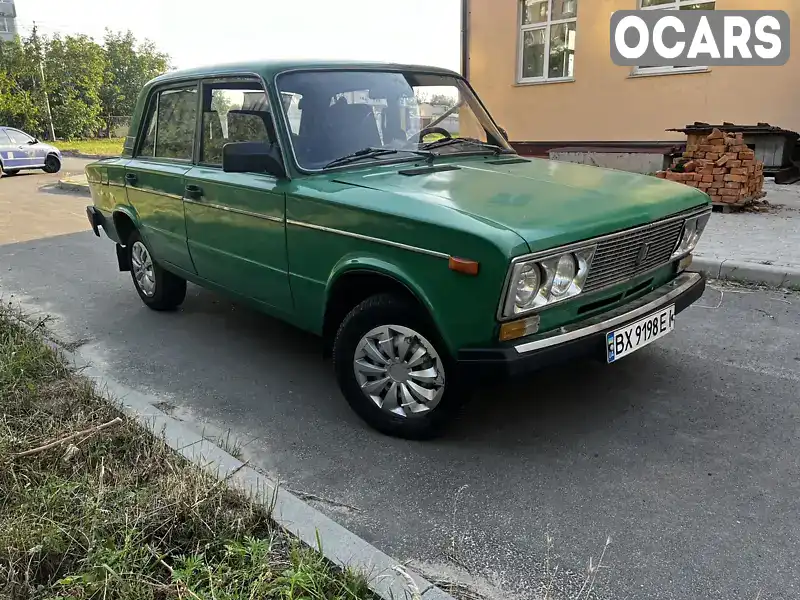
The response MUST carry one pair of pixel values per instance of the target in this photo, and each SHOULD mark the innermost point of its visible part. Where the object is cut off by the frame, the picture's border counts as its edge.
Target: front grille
(617, 257)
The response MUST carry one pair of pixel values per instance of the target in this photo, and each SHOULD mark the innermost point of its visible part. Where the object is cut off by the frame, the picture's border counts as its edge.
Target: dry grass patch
(114, 513)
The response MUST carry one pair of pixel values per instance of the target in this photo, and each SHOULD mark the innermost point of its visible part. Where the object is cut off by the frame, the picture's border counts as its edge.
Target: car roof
(269, 68)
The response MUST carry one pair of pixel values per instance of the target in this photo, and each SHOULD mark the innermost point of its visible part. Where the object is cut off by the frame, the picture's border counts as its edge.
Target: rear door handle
(131, 178)
(194, 192)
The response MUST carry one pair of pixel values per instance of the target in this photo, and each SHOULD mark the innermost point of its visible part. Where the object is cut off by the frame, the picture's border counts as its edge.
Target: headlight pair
(693, 228)
(544, 281)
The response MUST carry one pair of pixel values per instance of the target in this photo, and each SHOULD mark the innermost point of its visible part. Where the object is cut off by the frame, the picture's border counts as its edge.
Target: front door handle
(131, 178)
(194, 192)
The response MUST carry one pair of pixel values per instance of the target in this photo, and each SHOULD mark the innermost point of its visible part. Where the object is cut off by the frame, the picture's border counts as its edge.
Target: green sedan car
(381, 207)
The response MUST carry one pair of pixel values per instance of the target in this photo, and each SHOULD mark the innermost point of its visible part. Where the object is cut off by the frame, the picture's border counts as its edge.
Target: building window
(4, 28)
(671, 5)
(547, 40)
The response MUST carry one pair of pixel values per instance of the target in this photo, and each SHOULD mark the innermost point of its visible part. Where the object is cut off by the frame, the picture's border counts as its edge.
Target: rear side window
(169, 130)
(4, 139)
(234, 111)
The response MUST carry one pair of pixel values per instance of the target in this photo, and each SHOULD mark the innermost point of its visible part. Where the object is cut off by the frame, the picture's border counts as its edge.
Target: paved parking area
(686, 454)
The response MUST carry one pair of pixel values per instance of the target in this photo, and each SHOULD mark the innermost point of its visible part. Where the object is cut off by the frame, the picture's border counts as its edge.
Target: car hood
(547, 203)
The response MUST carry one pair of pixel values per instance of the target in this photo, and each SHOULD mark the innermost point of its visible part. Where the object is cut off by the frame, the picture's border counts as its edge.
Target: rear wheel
(52, 164)
(393, 370)
(11, 172)
(159, 289)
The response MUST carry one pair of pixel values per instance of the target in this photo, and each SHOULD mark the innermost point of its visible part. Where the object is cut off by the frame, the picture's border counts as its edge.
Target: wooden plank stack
(721, 165)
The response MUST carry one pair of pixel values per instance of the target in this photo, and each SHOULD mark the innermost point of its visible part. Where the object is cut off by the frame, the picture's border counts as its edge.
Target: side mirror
(33, 141)
(252, 157)
(504, 132)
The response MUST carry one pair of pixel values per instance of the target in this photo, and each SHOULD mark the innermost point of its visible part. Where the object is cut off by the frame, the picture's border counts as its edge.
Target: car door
(154, 178)
(23, 148)
(235, 222)
(9, 155)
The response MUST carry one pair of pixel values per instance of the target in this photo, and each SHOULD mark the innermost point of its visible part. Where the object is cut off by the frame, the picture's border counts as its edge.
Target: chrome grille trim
(617, 259)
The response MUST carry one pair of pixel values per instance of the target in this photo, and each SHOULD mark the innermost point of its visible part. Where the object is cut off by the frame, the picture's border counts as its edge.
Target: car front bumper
(583, 339)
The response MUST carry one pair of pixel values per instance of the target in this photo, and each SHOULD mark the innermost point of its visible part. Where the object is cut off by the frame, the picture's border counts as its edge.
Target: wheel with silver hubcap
(399, 370)
(158, 288)
(391, 371)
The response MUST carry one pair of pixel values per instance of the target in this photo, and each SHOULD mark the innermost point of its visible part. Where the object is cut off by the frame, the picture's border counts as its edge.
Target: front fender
(382, 266)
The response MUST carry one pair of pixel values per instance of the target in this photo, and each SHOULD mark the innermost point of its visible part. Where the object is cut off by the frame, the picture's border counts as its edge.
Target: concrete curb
(339, 545)
(747, 272)
(74, 185)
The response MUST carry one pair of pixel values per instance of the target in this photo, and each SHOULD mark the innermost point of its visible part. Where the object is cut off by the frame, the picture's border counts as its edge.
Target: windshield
(341, 117)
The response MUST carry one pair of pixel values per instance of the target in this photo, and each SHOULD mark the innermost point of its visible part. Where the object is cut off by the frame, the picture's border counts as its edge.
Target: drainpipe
(465, 39)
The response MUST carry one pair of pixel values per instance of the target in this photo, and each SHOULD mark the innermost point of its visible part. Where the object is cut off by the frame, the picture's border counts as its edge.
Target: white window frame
(546, 26)
(4, 28)
(671, 5)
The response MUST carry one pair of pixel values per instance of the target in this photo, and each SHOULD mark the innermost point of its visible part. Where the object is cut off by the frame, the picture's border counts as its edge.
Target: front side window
(235, 111)
(170, 125)
(380, 115)
(547, 40)
(671, 5)
(17, 137)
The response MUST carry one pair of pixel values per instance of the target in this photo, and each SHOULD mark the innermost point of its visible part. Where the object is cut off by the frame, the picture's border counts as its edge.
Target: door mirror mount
(252, 157)
(504, 133)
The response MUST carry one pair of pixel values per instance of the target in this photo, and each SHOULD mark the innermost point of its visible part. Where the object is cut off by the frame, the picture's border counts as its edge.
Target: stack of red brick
(722, 166)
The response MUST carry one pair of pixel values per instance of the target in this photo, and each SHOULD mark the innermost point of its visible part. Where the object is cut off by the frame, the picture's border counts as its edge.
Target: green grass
(101, 147)
(117, 514)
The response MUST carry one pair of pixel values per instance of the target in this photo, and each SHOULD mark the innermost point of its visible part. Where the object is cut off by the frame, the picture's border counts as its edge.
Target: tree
(85, 81)
(129, 65)
(21, 100)
(74, 71)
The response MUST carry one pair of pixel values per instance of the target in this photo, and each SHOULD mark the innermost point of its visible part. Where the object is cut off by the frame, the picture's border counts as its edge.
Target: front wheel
(393, 371)
(159, 289)
(11, 172)
(52, 164)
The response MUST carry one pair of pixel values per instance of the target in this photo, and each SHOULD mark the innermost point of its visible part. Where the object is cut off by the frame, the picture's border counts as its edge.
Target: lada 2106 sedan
(409, 235)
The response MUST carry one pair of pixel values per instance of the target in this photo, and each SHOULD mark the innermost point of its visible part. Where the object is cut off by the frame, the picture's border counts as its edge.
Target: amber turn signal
(462, 265)
(518, 329)
(685, 263)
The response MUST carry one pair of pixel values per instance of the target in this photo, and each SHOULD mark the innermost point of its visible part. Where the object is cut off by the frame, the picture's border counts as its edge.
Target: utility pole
(44, 85)
(47, 104)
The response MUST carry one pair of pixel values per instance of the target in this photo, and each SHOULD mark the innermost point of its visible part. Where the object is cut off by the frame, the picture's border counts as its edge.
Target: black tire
(170, 290)
(12, 172)
(52, 164)
(382, 310)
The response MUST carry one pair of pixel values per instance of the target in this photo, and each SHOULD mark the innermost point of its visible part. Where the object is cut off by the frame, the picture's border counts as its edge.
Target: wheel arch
(125, 222)
(354, 280)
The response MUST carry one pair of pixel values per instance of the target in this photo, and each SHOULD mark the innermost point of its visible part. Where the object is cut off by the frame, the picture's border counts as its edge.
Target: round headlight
(527, 285)
(566, 270)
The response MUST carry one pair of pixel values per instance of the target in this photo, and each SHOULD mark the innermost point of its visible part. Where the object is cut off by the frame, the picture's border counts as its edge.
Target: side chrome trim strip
(368, 238)
(237, 211)
(680, 285)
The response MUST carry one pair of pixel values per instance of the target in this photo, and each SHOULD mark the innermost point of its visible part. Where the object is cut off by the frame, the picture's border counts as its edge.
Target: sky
(199, 32)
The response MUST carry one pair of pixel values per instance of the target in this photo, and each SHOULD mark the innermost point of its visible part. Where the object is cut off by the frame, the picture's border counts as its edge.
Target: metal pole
(46, 97)
(47, 104)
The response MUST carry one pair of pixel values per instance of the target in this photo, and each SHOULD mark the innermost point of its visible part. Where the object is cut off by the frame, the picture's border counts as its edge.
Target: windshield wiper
(374, 153)
(462, 140)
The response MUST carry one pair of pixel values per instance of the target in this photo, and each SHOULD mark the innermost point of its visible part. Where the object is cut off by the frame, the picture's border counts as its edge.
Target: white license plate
(637, 335)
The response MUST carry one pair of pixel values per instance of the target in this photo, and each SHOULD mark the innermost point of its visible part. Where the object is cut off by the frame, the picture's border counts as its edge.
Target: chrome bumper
(653, 301)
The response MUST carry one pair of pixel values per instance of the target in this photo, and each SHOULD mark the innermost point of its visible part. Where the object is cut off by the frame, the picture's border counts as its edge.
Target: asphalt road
(686, 453)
